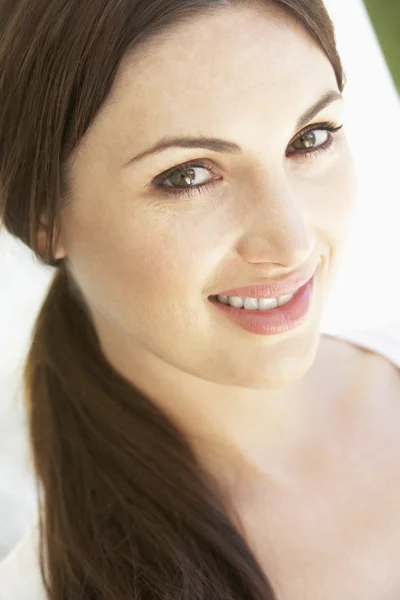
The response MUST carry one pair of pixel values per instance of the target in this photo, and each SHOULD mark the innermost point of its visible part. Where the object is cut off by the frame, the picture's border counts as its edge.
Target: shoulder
(382, 340)
(20, 577)
(371, 357)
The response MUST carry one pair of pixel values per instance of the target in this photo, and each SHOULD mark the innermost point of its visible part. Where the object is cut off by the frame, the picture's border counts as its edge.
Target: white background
(367, 290)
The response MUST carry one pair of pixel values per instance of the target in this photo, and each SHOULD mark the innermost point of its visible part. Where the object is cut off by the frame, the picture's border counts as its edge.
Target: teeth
(223, 299)
(266, 303)
(285, 299)
(251, 303)
(255, 303)
(236, 302)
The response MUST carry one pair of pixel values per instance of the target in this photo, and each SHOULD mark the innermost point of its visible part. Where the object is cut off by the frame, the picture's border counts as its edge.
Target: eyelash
(191, 191)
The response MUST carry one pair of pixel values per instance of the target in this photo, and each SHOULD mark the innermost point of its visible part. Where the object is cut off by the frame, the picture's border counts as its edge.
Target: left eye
(186, 176)
(311, 139)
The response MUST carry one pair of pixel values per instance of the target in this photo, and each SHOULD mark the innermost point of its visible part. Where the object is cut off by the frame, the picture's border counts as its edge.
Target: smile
(255, 303)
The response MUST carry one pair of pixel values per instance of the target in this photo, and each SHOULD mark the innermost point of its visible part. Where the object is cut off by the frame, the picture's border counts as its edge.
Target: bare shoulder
(364, 366)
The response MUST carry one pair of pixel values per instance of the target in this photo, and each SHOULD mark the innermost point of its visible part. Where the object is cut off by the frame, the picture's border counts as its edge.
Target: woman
(183, 164)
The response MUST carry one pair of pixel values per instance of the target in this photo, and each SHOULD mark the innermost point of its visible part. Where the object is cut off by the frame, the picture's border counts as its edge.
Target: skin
(300, 430)
(147, 263)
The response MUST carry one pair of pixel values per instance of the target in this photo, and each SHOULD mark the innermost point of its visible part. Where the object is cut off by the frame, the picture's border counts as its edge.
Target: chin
(272, 366)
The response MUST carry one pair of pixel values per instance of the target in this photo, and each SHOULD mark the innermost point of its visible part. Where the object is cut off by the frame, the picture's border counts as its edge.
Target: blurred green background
(385, 17)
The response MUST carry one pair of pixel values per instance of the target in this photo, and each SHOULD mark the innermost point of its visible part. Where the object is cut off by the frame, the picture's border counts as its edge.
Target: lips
(273, 288)
(271, 322)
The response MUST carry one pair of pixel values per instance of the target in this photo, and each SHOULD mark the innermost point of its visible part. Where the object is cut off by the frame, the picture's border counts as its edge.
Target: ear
(43, 233)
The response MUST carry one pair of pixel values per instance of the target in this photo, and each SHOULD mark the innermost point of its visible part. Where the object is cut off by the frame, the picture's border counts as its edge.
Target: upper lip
(272, 288)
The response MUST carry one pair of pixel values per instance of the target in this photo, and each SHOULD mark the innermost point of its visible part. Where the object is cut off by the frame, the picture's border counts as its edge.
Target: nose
(277, 227)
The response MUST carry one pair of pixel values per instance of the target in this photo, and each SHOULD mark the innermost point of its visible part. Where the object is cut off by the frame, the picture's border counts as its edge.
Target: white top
(19, 570)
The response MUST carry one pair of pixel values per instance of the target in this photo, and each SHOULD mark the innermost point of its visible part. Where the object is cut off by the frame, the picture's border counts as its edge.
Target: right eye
(181, 179)
(186, 175)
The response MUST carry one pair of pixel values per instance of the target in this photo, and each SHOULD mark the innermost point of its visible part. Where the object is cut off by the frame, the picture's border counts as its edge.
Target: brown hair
(127, 511)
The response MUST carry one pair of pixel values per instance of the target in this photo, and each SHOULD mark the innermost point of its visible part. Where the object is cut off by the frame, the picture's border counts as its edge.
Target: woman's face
(147, 258)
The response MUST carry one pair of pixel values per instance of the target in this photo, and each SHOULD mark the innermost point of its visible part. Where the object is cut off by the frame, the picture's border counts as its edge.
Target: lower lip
(274, 321)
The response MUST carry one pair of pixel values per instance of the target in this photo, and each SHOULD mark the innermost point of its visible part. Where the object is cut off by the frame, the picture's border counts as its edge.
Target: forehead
(220, 66)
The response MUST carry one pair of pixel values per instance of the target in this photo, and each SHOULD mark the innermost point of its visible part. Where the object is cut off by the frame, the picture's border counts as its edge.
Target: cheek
(140, 262)
(332, 198)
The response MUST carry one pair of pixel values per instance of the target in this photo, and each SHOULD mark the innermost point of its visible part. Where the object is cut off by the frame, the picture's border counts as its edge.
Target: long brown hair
(127, 511)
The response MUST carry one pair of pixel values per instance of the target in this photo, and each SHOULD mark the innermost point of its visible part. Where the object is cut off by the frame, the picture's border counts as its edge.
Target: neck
(234, 427)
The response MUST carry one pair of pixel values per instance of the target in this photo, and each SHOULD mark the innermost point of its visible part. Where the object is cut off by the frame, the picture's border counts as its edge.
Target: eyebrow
(225, 146)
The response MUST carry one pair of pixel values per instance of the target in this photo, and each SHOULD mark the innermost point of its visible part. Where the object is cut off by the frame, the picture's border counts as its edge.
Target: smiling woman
(195, 206)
